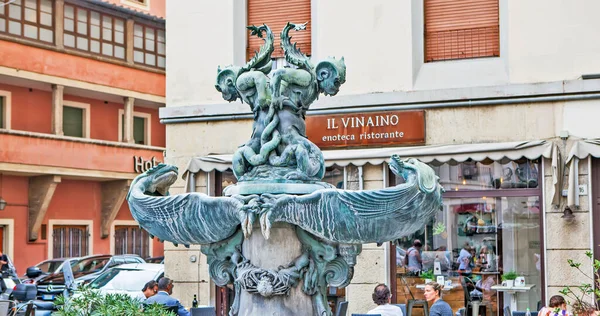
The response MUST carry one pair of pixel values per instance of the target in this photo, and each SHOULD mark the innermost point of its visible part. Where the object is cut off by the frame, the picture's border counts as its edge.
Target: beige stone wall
(567, 240)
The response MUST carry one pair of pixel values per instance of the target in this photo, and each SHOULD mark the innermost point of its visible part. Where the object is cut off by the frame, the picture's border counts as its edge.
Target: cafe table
(444, 288)
(512, 291)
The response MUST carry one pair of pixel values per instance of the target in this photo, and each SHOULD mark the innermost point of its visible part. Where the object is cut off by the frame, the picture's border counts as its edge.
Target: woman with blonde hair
(433, 295)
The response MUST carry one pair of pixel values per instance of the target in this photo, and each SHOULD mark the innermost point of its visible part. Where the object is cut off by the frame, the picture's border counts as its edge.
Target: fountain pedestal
(279, 250)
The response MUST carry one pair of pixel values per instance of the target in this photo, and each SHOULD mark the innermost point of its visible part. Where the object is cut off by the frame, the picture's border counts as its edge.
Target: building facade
(499, 100)
(81, 83)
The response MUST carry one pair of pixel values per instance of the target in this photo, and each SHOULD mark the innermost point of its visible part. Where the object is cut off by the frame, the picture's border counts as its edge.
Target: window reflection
(334, 176)
(479, 176)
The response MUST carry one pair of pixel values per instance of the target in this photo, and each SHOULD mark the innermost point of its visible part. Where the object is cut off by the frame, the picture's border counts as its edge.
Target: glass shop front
(490, 226)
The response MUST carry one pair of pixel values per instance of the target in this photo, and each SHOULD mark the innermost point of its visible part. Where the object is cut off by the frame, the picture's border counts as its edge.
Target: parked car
(84, 270)
(160, 259)
(46, 267)
(128, 279)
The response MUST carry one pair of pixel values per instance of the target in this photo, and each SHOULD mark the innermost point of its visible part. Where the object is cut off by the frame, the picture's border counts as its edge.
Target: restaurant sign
(368, 129)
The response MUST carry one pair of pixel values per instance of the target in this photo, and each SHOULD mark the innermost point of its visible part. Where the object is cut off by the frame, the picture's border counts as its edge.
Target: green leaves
(438, 228)
(89, 302)
(573, 264)
(510, 275)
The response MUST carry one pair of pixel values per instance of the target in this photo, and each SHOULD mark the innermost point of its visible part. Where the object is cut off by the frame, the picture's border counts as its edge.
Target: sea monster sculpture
(330, 224)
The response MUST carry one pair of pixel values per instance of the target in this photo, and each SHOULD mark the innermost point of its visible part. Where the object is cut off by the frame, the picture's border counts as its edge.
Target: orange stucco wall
(72, 200)
(157, 7)
(32, 112)
(63, 65)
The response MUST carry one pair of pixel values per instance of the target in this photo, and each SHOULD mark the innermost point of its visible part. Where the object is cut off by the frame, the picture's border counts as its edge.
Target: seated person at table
(382, 297)
(464, 260)
(483, 288)
(556, 307)
(165, 289)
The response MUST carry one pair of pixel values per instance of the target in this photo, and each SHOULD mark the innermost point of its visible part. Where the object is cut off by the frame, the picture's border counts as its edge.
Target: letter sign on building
(368, 129)
(140, 165)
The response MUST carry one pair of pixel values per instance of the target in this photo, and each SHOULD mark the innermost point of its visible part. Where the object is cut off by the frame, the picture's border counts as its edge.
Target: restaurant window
(132, 240)
(31, 19)
(491, 223)
(149, 46)
(94, 32)
(69, 241)
(461, 29)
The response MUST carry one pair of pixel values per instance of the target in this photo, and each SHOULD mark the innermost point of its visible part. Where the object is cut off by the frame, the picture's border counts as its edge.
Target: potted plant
(581, 298)
(427, 276)
(508, 278)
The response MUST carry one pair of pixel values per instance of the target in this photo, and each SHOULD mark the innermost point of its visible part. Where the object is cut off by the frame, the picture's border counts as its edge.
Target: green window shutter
(72, 121)
(1, 112)
(139, 128)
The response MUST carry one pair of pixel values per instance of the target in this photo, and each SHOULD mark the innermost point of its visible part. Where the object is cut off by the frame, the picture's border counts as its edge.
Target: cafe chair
(402, 307)
(203, 311)
(469, 301)
(412, 302)
(342, 309)
(522, 313)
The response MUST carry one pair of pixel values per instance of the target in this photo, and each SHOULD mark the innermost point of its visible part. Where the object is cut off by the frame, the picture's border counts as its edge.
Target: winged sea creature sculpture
(190, 218)
(359, 217)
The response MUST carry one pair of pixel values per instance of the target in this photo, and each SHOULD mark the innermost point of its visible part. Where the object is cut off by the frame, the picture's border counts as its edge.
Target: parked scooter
(24, 296)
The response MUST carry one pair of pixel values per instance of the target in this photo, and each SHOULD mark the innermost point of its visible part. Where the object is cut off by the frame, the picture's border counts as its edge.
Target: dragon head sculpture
(331, 74)
(425, 176)
(226, 79)
(157, 180)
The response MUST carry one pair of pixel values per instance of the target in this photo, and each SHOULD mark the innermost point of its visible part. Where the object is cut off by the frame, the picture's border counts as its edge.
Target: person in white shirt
(382, 297)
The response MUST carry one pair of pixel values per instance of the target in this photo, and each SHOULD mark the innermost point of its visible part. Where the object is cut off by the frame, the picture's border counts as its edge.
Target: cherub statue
(294, 90)
(251, 84)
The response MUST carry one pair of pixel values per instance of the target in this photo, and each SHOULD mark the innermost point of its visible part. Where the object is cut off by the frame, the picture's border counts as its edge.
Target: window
(270, 12)
(5, 100)
(141, 127)
(149, 46)
(31, 19)
(491, 223)
(461, 29)
(132, 240)
(94, 32)
(69, 241)
(2, 112)
(72, 121)
(76, 119)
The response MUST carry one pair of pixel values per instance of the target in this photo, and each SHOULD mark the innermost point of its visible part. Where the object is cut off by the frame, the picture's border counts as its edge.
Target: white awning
(437, 154)
(583, 148)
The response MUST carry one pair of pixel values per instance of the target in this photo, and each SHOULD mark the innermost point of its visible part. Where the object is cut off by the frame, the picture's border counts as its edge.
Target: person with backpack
(412, 258)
